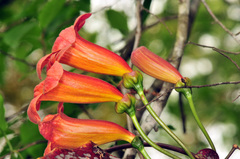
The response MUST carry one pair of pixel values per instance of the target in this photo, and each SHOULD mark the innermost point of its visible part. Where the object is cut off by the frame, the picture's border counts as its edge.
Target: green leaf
(3, 125)
(84, 5)
(49, 12)
(29, 133)
(118, 20)
(13, 36)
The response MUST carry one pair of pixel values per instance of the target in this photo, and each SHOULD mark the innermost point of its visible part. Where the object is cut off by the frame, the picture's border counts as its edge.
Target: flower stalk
(187, 92)
(135, 81)
(163, 125)
(127, 105)
(138, 144)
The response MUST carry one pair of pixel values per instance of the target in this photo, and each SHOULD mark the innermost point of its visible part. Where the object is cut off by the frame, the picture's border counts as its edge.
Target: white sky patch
(233, 12)
(217, 132)
(188, 68)
(98, 22)
(234, 95)
(232, 1)
(191, 68)
(204, 66)
(157, 6)
(209, 40)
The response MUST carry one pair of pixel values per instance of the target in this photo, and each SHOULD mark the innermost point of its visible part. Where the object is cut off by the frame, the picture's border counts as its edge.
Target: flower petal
(65, 132)
(68, 35)
(80, 21)
(41, 63)
(32, 110)
(54, 75)
(154, 65)
(71, 49)
(87, 151)
(64, 86)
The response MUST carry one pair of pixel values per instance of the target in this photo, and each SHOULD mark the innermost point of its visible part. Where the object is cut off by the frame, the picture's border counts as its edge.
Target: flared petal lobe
(88, 151)
(64, 86)
(71, 49)
(155, 66)
(65, 132)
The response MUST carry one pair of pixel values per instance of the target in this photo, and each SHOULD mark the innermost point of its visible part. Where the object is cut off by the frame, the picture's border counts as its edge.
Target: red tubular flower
(64, 132)
(89, 150)
(64, 86)
(71, 49)
(154, 65)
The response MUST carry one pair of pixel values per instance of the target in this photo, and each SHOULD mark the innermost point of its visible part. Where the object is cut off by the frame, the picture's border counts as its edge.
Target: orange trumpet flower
(154, 65)
(64, 132)
(71, 49)
(64, 86)
(89, 150)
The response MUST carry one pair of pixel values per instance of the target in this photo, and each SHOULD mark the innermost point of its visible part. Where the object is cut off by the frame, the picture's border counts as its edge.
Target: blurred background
(28, 29)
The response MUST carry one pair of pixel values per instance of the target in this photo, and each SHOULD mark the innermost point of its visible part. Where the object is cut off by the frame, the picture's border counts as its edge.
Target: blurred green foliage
(28, 29)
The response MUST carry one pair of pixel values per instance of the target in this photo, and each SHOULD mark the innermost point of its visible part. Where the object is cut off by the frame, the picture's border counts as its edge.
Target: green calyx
(137, 143)
(184, 82)
(133, 80)
(126, 105)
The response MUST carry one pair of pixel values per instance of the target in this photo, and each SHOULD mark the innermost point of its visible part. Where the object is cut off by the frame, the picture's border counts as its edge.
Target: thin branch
(214, 84)
(213, 48)
(24, 148)
(156, 98)
(16, 59)
(196, 86)
(159, 20)
(234, 147)
(235, 98)
(219, 51)
(127, 49)
(165, 146)
(138, 33)
(182, 35)
(19, 112)
(139, 25)
(229, 59)
(219, 23)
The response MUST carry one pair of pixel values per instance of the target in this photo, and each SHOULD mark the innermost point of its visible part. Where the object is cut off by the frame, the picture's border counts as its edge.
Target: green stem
(190, 101)
(145, 154)
(164, 126)
(138, 144)
(10, 145)
(8, 142)
(145, 137)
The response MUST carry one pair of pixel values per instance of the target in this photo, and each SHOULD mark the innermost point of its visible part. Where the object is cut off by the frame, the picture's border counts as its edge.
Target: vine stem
(188, 95)
(161, 123)
(145, 154)
(146, 138)
(10, 145)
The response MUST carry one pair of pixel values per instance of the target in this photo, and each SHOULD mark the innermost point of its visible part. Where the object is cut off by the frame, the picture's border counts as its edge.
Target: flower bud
(183, 83)
(126, 104)
(133, 80)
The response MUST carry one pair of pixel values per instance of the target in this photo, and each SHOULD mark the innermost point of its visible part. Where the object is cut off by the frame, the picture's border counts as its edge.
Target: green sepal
(137, 143)
(126, 105)
(133, 80)
(183, 83)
